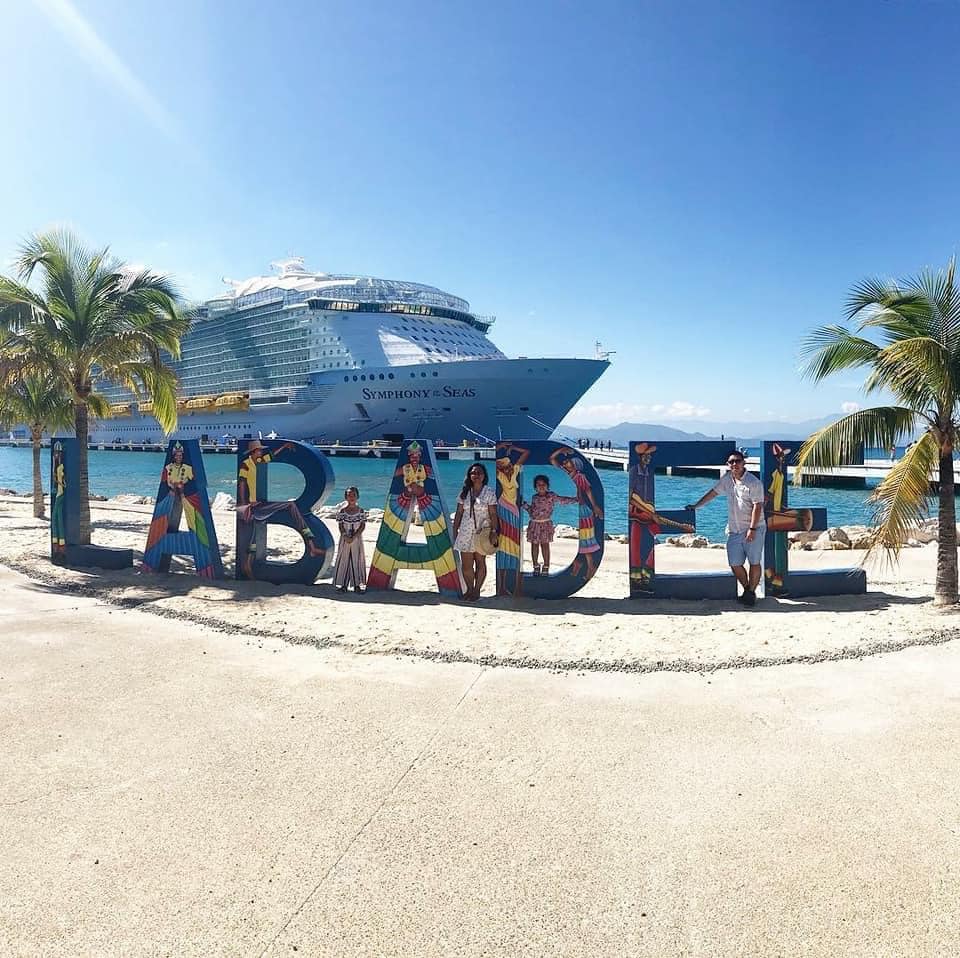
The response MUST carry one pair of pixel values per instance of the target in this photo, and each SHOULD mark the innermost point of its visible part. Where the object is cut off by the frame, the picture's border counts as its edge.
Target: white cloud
(606, 414)
(679, 409)
(88, 43)
(610, 414)
(849, 407)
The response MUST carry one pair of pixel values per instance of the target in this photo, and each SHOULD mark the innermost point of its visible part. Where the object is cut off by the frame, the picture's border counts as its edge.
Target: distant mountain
(625, 432)
(745, 433)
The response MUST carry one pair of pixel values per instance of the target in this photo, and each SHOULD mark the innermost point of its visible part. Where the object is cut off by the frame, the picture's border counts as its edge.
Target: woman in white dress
(351, 567)
(476, 515)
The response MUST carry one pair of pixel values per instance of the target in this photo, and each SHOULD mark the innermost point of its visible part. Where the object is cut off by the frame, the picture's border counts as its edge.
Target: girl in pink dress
(540, 528)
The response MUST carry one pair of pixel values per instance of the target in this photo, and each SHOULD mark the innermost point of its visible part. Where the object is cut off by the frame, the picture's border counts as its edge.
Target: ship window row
(247, 352)
(274, 321)
(374, 376)
(232, 342)
(371, 377)
(409, 309)
(212, 378)
(446, 335)
(236, 342)
(228, 328)
(180, 428)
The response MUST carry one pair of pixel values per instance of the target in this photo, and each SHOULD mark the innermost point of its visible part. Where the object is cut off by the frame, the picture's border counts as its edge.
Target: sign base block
(695, 585)
(826, 582)
(99, 557)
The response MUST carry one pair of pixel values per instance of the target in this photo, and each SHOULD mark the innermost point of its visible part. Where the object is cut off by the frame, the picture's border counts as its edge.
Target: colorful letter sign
(183, 494)
(775, 460)
(415, 485)
(65, 547)
(255, 511)
(646, 521)
(62, 475)
(512, 460)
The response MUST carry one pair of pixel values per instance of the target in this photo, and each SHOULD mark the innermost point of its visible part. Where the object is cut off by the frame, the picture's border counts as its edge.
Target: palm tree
(42, 404)
(92, 319)
(908, 336)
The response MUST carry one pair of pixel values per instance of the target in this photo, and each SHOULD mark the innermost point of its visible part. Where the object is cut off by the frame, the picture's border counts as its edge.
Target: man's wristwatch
(752, 529)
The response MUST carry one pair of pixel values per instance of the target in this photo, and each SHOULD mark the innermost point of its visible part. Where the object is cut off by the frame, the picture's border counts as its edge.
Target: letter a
(415, 482)
(183, 495)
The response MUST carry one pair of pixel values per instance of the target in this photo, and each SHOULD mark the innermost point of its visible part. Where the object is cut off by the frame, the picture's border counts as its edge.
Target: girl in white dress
(351, 567)
(476, 515)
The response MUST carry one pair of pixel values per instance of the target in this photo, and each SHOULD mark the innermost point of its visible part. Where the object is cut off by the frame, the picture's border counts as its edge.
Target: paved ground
(168, 793)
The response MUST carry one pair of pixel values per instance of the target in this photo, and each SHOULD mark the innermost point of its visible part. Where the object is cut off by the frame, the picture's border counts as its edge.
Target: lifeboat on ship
(201, 402)
(119, 409)
(233, 401)
(146, 406)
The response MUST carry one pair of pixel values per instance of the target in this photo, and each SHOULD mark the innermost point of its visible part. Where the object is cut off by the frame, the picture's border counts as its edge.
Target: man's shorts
(740, 551)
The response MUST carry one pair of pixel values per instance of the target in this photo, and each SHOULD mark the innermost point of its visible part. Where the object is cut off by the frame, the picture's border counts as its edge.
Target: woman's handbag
(483, 542)
(483, 538)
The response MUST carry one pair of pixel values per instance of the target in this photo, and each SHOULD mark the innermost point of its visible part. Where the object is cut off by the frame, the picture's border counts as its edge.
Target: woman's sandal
(536, 569)
(545, 569)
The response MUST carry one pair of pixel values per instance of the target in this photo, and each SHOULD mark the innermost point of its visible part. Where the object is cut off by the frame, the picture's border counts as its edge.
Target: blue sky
(694, 184)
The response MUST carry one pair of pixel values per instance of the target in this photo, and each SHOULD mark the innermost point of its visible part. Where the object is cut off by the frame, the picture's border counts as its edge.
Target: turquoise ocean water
(113, 473)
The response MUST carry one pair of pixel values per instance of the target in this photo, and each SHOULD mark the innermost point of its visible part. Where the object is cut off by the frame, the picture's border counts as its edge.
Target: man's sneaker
(749, 597)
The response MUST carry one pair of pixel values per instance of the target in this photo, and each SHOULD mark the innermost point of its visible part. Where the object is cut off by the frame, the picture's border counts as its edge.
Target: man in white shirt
(746, 526)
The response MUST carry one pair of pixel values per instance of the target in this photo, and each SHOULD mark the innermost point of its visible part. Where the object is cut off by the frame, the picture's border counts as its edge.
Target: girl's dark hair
(543, 478)
(349, 489)
(466, 479)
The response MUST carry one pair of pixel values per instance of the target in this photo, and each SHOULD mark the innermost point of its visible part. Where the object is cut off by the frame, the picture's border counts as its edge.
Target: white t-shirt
(740, 499)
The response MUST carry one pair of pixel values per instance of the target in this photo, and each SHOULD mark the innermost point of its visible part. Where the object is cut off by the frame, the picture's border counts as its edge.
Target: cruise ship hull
(447, 401)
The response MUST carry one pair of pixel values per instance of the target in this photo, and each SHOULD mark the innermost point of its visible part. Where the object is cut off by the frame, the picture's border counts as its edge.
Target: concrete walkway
(168, 793)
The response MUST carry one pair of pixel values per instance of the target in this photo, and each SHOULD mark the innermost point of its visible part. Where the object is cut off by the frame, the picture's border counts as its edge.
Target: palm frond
(917, 369)
(841, 441)
(35, 400)
(99, 405)
(901, 498)
(870, 292)
(897, 310)
(829, 349)
(902, 320)
(19, 305)
(948, 304)
(154, 379)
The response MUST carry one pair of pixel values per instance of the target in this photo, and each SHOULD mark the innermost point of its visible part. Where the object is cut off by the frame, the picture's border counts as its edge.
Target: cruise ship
(329, 358)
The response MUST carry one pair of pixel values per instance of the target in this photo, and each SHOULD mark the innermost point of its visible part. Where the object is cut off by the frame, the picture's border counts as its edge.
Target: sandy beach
(168, 789)
(597, 629)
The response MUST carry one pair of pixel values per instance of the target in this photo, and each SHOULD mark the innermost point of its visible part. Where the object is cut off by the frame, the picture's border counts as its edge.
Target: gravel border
(847, 653)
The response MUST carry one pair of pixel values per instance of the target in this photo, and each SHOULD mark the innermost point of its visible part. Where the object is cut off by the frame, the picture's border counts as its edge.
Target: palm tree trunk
(945, 592)
(35, 436)
(81, 428)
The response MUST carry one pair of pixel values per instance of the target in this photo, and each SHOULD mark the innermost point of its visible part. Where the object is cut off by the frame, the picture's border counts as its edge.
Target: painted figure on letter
(251, 510)
(564, 458)
(510, 460)
(58, 484)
